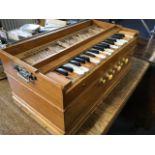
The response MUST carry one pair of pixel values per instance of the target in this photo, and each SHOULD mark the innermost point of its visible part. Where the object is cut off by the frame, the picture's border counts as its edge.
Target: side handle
(24, 74)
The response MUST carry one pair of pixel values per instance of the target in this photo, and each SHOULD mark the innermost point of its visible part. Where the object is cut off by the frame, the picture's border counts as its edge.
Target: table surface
(14, 121)
(146, 50)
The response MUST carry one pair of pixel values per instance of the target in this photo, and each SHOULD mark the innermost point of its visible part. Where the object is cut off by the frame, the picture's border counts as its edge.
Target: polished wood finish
(102, 119)
(58, 99)
(15, 121)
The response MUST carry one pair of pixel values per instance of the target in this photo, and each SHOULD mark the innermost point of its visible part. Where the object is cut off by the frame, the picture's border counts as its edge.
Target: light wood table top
(14, 121)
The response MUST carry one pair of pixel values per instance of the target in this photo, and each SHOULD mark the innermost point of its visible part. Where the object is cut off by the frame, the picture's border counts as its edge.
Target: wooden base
(50, 127)
(45, 123)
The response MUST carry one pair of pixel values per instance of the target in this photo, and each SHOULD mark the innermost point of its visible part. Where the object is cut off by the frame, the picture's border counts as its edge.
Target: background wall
(137, 24)
(10, 24)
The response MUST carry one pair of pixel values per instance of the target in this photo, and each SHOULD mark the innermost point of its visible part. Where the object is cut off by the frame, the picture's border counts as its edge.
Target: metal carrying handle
(24, 74)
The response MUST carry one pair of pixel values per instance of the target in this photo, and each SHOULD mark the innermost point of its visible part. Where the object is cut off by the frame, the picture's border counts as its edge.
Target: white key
(108, 53)
(122, 40)
(114, 46)
(109, 50)
(93, 60)
(119, 43)
(78, 69)
(98, 55)
(84, 68)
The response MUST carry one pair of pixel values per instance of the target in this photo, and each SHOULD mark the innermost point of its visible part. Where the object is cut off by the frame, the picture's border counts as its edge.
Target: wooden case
(56, 102)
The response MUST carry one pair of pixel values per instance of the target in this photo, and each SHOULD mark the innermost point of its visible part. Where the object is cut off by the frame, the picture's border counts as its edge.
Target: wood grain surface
(14, 121)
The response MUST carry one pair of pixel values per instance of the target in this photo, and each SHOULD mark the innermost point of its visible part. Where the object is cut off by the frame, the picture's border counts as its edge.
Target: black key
(75, 62)
(62, 71)
(94, 51)
(89, 54)
(101, 46)
(105, 45)
(117, 36)
(98, 48)
(86, 58)
(79, 60)
(70, 69)
(120, 34)
(112, 39)
(109, 42)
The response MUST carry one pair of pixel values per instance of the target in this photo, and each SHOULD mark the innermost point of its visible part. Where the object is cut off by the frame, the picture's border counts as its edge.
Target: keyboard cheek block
(60, 78)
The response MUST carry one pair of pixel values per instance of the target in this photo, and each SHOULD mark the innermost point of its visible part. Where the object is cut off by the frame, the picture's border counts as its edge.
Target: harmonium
(61, 77)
